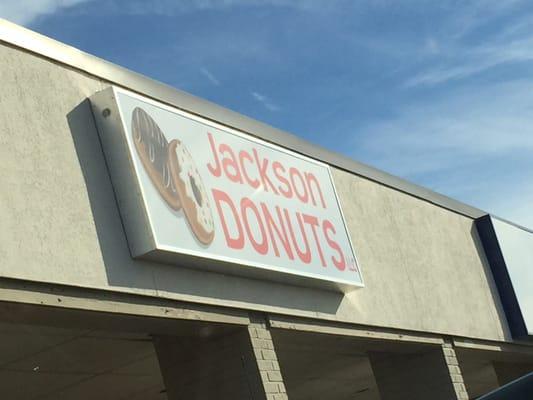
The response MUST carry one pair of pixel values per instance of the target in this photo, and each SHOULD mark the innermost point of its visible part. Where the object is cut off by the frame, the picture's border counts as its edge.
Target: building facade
(404, 293)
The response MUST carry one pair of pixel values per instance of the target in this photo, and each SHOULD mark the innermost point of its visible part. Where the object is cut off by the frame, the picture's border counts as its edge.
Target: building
(157, 246)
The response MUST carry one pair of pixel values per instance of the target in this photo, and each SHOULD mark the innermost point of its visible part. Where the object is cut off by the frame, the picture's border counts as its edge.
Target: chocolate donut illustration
(192, 193)
(152, 148)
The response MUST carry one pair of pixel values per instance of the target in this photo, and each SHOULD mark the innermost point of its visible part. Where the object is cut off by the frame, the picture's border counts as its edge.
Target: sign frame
(132, 200)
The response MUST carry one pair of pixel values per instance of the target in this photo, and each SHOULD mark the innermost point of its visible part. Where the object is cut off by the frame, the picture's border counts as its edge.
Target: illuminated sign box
(194, 193)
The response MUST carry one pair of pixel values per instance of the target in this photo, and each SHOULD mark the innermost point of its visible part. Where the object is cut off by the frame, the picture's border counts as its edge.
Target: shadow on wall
(169, 280)
(490, 281)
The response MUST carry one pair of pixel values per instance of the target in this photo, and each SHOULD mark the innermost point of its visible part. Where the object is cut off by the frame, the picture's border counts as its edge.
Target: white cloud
(471, 122)
(474, 14)
(470, 61)
(432, 46)
(265, 101)
(474, 145)
(472, 39)
(25, 11)
(173, 7)
(517, 205)
(210, 77)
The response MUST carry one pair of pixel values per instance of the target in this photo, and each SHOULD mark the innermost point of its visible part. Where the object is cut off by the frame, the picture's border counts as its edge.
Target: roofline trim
(20, 37)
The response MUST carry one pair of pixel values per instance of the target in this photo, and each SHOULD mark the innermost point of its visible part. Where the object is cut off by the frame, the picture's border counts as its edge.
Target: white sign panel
(213, 192)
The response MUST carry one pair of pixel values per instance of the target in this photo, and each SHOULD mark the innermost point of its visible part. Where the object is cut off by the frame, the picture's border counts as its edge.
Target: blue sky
(437, 92)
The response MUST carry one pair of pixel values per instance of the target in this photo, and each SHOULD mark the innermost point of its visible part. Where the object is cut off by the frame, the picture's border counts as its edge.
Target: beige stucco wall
(422, 264)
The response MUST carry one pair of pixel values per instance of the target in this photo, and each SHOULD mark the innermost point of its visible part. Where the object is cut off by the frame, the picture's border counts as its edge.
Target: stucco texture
(420, 262)
(423, 266)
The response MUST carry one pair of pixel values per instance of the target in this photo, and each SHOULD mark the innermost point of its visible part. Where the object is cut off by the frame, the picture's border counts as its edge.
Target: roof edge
(33, 42)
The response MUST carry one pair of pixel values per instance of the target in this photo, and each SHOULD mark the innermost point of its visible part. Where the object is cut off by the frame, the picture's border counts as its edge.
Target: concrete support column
(429, 374)
(267, 360)
(241, 364)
